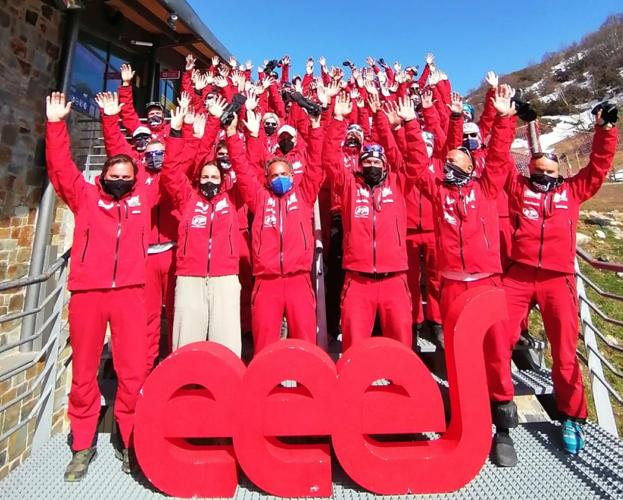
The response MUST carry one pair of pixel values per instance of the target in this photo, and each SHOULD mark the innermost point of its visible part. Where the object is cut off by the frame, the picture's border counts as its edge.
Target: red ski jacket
(374, 219)
(282, 237)
(110, 236)
(131, 120)
(466, 217)
(208, 229)
(545, 223)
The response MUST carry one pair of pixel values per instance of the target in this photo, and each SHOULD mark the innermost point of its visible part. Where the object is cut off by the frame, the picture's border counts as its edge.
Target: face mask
(352, 143)
(209, 189)
(117, 188)
(270, 128)
(372, 175)
(155, 121)
(154, 159)
(286, 144)
(223, 162)
(453, 175)
(471, 143)
(140, 142)
(281, 185)
(543, 182)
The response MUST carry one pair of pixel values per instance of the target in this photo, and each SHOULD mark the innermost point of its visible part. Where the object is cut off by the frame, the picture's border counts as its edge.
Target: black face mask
(543, 182)
(209, 189)
(352, 143)
(223, 162)
(155, 121)
(454, 175)
(117, 188)
(373, 175)
(286, 144)
(270, 128)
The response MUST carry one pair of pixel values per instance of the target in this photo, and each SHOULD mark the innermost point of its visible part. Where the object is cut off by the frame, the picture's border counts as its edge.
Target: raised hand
(217, 106)
(322, 61)
(109, 102)
(456, 103)
(322, 93)
(220, 81)
(298, 85)
(502, 100)
(251, 102)
(374, 102)
(56, 107)
(127, 73)
(253, 123)
(434, 77)
(430, 59)
(267, 82)
(343, 106)
(406, 109)
(184, 100)
(216, 60)
(248, 64)
(232, 127)
(199, 126)
(333, 88)
(203, 80)
(370, 60)
(371, 88)
(177, 117)
(190, 62)
(427, 99)
(309, 67)
(189, 116)
(232, 62)
(492, 79)
(224, 70)
(397, 66)
(391, 111)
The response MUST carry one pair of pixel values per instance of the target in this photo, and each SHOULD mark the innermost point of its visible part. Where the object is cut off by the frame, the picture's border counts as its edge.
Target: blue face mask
(154, 159)
(281, 185)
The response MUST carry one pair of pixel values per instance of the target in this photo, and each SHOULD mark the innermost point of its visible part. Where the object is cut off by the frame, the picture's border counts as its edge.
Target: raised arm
(587, 181)
(498, 162)
(331, 154)
(64, 175)
(129, 119)
(417, 162)
(432, 123)
(114, 141)
(488, 112)
(313, 176)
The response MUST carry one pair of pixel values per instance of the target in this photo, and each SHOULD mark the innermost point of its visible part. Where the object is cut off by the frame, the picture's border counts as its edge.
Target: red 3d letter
(268, 410)
(189, 397)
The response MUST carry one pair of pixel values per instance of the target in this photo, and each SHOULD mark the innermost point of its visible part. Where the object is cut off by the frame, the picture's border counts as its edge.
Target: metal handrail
(604, 266)
(40, 278)
(603, 359)
(602, 337)
(600, 313)
(18, 315)
(601, 292)
(605, 383)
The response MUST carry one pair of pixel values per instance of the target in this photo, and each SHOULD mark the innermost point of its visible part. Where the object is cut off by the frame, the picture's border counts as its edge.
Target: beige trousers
(207, 309)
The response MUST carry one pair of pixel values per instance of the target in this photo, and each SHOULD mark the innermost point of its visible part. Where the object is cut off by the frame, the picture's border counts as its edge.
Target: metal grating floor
(544, 471)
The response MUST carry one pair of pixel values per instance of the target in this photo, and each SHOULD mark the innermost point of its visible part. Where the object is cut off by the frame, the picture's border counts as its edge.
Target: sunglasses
(549, 156)
(473, 135)
(270, 123)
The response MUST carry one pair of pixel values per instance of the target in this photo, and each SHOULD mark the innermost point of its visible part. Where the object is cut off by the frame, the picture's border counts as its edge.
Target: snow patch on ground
(567, 126)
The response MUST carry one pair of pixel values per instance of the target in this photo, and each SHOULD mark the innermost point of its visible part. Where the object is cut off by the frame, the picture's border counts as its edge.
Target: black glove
(232, 109)
(609, 112)
(271, 66)
(312, 108)
(348, 64)
(523, 108)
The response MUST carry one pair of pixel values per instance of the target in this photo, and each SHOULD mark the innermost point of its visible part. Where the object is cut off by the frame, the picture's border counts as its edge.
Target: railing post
(45, 214)
(601, 397)
(318, 275)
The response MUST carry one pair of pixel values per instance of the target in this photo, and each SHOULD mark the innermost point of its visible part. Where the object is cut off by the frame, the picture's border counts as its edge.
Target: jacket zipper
(143, 242)
(542, 231)
(210, 239)
(461, 232)
(280, 238)
(373, 231)
(484, 231)
(231, 248)
(86, 245)
(114, 272)
(398, 234)
(186, 238)
(158, 221)
(571, 240)
(420, 221)
(304, 237)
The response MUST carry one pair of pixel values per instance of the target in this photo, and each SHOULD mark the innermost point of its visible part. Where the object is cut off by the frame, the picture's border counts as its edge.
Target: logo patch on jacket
(270, 220)
(104, 205)
(135, 201)
(199, 221)
(387, 196)
(297, 167)
(362, 212)
(528, 193)
(201, 207)
(449, 218)
(221, 205)
(530, 213)
(291, 202)
(561, 197)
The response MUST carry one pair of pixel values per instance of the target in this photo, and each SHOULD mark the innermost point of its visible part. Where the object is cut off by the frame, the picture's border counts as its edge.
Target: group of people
(212, 213)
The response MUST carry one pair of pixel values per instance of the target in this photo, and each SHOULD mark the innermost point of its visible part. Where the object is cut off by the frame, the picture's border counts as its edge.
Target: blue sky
(467, 38)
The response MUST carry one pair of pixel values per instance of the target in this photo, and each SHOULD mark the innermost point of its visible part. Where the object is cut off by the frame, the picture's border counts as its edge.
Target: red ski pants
(423, 243)
(159, 291)
(246, 280)
(89, 313)
(497, 364)
(274, 297)
(557, 298)
(363, 296)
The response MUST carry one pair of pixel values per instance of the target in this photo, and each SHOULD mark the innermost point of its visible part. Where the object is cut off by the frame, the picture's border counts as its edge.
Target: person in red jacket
(106, 281)
(154, 110)
(374, 219)
(282, 236)
(207, 292)
(544, 210)
(469, 251)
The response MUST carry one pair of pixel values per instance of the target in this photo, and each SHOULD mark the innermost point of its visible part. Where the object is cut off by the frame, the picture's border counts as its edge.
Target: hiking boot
(79, 466)
(569, 437)
(503, 451)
